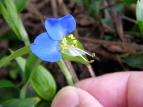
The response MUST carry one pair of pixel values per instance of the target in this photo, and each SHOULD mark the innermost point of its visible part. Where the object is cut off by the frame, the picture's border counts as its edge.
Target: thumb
(74, 97)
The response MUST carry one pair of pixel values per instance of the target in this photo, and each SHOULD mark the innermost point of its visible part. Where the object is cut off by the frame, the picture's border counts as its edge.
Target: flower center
(69, 46)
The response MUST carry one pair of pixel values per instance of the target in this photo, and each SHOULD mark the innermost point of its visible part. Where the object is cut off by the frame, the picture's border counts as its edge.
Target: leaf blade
(6, 83)
(19, 52)
(139, 14)
(43, 82)
(27, 102)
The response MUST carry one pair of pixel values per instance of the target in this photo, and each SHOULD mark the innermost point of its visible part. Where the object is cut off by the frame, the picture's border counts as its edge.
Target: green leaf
(6, 83)
(44, 104)
(29, 71)
(44, 83)
(8, 93)
(20, 52)
(31, 65)
(21, 62)
(139, 14)
(10, 14)
(140, 23)
(134, 60)
(67, 56)
(129, 1)
(77, 1)
(40, 78)
(20, 4)
(26, 102)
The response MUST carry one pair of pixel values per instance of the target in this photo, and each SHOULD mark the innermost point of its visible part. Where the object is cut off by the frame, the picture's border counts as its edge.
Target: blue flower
(46, 45)
(59, 28)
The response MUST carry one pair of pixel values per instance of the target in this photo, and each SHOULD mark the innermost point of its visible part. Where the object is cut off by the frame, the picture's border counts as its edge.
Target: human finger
(117, 89)
(74, 97)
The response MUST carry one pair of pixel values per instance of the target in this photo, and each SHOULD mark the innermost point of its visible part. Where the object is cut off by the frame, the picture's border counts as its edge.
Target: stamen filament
(83, 51)
(78, 54)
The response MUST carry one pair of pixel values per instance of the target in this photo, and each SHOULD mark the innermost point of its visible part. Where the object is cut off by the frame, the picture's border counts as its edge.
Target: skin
(122, 89)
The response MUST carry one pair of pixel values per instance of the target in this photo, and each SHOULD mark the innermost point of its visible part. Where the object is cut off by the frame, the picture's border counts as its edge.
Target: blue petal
(46, 48)
(59, 28)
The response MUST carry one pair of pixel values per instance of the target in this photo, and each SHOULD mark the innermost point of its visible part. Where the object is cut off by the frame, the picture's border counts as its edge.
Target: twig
(65, 11)
(122, 47)
(108, 6)
(116, 20)
(129, 19)
(32, 9)
(63, 7)
(54, 8)
(136, 34)
(72, 71)
(91, 71)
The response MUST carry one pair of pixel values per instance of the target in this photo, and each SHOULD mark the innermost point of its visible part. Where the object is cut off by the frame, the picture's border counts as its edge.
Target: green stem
(24, 88)
(65, 71)
(23, 91)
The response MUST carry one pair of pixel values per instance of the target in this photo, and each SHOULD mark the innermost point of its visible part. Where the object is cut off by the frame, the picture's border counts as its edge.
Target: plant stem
(23, 90)
(65, 71)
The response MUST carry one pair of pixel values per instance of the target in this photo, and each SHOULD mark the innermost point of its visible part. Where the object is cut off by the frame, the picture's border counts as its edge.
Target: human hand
(122, 89)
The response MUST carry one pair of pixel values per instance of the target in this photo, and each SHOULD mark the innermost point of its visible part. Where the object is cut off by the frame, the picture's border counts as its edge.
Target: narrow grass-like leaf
(20, 52)
(26, 102)
(129, 1)
(6, 83)
(20, 4)
(139, 14)
(10, 14)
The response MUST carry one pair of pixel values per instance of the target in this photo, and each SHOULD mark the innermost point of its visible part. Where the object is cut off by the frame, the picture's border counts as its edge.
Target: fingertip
(66, 97)
(74, 97)
(86, 99)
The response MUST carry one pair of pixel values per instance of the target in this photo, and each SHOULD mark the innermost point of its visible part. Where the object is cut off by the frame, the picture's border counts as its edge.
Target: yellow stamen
(74, 45)
(64, 41)
(93, 54)
(74, 41)
(71, 36)
(63, 47)
(91, 61)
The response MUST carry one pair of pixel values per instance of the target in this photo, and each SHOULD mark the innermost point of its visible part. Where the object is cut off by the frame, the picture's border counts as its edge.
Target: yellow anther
(91, 61)
(71, 36)
(74, 45)
(93, 54)
(63, 47)
(74, 41)
(64, 41)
